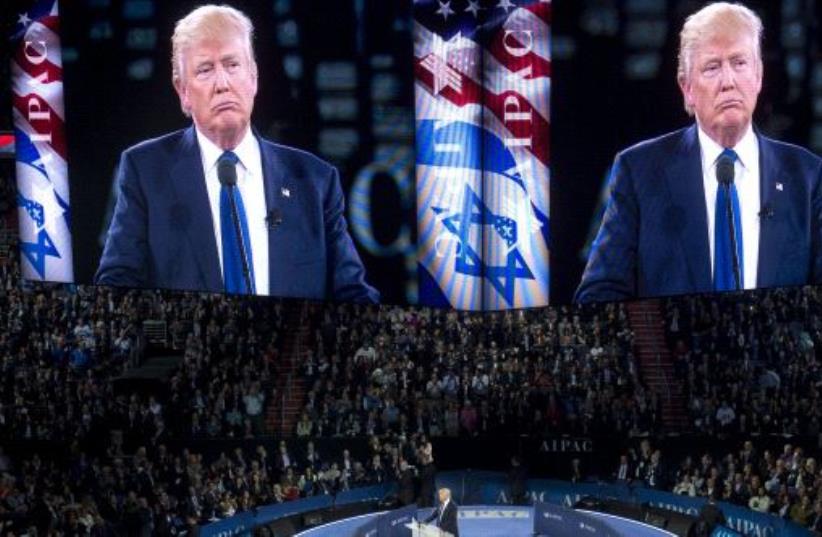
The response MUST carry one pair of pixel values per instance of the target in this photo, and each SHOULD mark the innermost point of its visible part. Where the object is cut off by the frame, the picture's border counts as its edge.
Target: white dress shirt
(746, 179)
(252, 189)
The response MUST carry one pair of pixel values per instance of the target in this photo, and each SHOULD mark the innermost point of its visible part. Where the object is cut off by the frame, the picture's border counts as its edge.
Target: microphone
(725, 170)
(766, 211)
(274, 218)
(227, 174)
(725, 177)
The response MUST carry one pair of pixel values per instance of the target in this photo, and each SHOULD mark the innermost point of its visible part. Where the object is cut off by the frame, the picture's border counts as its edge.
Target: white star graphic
(23, 20)
(437, 64)
(445, 10)
(473, 7)
(52, 212)
(506, 5)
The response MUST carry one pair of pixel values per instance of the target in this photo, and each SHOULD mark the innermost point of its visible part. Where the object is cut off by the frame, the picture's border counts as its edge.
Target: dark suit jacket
(161, 234)
(654, 235)
(448, 521)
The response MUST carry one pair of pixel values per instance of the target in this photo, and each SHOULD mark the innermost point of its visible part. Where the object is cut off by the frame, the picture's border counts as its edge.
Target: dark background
(613, 84)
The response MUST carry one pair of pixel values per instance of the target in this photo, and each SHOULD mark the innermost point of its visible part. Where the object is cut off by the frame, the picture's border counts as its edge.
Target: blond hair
(210, 22)
(717, 19)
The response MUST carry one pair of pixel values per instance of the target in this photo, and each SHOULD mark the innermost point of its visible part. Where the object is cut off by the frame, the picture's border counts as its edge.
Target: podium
(421, 529)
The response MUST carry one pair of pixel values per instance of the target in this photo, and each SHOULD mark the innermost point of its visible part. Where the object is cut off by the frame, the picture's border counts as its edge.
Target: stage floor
(493, 521)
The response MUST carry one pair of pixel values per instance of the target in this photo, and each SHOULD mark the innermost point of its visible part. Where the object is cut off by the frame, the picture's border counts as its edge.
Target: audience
(788, 485)
(398, 376)
(748, 361)
(446, 373)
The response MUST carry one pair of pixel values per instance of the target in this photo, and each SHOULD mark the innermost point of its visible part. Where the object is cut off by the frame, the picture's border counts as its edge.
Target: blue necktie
(723, 257)
(232, 260)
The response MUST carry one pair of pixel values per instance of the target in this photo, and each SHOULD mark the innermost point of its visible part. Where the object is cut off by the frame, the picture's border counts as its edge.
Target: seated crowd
(63, 348)
(447, 373)
(159, 491)
(132, 460)
(748, 362)
(787, 484)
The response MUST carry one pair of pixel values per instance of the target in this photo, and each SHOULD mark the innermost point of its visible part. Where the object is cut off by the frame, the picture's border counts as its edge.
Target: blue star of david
(475, 212)
(36, 252)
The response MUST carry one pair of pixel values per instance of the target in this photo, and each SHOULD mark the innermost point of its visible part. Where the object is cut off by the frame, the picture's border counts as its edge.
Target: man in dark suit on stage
(217, 208)
(668, 227)
(445, 515)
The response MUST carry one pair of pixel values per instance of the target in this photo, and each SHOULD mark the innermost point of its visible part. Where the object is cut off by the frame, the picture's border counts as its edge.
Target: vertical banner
(448, 106)
(42, 179)
(482, 91)
(516, 182)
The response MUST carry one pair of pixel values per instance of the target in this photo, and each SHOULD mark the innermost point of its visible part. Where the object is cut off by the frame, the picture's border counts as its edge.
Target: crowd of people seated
(61, 348)
(447, 373)
(156, 490)
(750, 369)
(748, 362)
(396, 375)
(786, 483)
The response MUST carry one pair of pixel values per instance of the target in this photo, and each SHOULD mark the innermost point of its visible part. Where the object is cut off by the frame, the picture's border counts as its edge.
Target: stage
(504, 521)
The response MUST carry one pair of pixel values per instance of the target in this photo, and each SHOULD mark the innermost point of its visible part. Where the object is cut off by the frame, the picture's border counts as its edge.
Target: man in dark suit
(666, 229)
(445, 515)
(624, 472)
(174, 225)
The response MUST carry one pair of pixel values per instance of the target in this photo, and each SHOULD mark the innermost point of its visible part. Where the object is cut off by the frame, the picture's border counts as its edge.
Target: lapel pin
(287, 193)
(779, 187)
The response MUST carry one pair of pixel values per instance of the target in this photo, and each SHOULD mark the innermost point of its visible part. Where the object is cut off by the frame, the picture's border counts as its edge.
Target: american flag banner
(42, 179)
(482, 91)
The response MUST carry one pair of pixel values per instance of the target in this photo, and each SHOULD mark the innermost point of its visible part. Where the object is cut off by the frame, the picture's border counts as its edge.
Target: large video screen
(449, 153)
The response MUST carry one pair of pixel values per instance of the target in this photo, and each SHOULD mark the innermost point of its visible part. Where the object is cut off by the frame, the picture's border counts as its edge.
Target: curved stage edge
(496, 521)
(489, 491)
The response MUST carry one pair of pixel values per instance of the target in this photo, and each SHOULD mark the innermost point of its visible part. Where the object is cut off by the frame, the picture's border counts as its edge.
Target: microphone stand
(239, 232)
(729, 209)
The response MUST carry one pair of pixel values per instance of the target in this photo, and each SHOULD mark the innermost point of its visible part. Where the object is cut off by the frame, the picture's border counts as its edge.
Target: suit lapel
(187, 176)
(771, 235)
(684, 178)
(273, 183)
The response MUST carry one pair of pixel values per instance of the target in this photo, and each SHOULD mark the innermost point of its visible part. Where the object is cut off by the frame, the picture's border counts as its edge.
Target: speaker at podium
(421, 529)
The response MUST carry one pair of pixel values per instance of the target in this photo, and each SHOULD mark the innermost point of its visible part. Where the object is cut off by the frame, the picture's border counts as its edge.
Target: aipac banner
(42, 180)
(482, 90)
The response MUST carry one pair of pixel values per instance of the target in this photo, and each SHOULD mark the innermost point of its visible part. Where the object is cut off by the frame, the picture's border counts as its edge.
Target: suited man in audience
(445, 515)
(667, 227)
(624, 472)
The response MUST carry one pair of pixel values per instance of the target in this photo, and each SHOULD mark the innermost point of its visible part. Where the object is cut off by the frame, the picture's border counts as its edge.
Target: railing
(244, 523)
